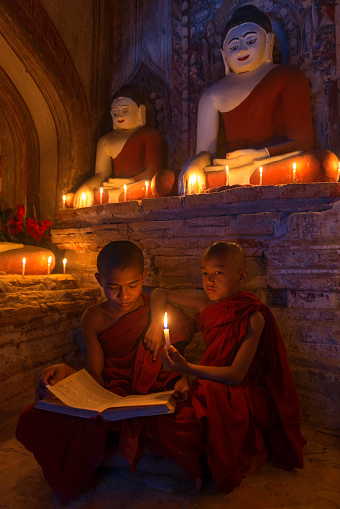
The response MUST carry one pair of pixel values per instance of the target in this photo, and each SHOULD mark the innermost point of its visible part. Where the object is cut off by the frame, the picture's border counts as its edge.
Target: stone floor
(317, 486)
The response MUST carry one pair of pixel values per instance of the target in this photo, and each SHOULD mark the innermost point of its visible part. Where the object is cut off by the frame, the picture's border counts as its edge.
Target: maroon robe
(236, 421)
(69, 449)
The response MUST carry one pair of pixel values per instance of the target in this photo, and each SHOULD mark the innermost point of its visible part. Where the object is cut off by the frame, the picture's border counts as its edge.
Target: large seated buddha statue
(266, 111)
(126, 158)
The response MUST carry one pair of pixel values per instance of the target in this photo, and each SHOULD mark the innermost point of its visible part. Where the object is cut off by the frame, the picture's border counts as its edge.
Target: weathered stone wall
(291, 236)
(39, 317)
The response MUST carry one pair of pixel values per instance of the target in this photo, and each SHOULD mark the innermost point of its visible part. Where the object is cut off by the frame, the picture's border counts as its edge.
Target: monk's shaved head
(120, 254)
(234, 252)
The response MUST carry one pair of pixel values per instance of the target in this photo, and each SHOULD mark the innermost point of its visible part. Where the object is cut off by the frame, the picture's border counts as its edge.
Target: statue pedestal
(36, 260)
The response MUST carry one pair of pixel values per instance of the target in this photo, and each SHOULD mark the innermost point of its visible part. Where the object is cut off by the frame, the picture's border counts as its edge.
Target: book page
(138, 400)
(80, 390)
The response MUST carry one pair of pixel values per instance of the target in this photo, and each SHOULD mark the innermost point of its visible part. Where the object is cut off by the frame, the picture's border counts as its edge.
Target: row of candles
(49, 261)
(193, 182)
(101, 190)
(193, 186)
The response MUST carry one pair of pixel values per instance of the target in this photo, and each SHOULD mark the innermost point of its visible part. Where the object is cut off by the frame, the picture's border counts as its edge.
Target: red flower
(16, 223)
(20, 211)
(36, 230)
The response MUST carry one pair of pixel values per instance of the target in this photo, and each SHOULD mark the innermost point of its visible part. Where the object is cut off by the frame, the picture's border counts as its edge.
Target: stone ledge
(172, 207)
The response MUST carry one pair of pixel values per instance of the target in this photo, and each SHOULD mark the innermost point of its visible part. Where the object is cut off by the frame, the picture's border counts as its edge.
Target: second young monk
(69, 449)
(243, 395)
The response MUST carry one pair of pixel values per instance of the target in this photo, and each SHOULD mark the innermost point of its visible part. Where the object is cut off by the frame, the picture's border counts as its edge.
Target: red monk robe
(69, 449)
(236, 421)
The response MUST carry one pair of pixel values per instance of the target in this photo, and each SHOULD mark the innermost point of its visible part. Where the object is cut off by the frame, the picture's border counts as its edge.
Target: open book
(80, 395)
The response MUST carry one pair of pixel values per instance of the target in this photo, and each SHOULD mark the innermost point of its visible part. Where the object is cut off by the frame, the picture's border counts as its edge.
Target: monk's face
(122, 288)
(221, 277)
(125, 114)
(245, 47)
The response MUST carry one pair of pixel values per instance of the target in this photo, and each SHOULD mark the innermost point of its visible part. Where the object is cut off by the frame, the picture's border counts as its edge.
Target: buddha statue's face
(125, 114)
(245, 47)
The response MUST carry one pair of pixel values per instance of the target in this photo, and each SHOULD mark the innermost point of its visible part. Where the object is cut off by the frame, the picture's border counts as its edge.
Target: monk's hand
(154, 338)
(50, 376)
(181, 389)
(173, 360)
(240, 158)
(84, 197)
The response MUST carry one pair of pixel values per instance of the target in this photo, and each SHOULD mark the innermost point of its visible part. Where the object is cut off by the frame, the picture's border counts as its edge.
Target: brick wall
(291, 236)
(39, 318)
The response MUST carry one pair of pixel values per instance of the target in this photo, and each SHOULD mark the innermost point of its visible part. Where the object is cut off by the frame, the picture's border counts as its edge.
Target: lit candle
(294, 173)
(23, 266)
(166, 331)
(261, 172)
(125, 188)
(64, 200)
(227, 175)
(64, 265)
(83, 197)
(193, 184)
(146, 188)
(101, 196)
(49, 265)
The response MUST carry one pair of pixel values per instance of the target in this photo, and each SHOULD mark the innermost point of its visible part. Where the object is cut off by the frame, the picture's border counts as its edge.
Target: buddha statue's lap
(266, 112)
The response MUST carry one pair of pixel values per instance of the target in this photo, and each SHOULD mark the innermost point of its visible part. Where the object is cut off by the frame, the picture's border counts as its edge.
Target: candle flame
(64, 261)
(49, 260)
(64, 198)
(227, 169)
(146, 184)
(192, 180)
(24, 261)
(294, 166)
(125, 187)
(101, 191)
(83, 196)
(165, 320)
(261, 170)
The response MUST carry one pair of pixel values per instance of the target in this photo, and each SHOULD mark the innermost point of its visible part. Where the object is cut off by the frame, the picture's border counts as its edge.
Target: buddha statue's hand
(83, 198)
(240, 158)
(117, 183)
(194, 167)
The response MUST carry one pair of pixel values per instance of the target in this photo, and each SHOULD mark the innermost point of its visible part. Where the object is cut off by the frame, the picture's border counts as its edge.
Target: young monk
(69, 449)
(244, 397)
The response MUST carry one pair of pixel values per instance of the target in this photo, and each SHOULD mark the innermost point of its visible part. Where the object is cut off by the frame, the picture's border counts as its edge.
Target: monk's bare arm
(231, 375)
(91, 327)
(160, 297)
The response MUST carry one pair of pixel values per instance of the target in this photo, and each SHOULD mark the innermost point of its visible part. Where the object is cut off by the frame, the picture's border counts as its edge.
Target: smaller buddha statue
(127, 156)
(266, 112)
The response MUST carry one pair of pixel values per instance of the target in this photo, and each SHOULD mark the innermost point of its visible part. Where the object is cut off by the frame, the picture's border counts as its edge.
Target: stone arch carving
(39, 52)
(18, 131)
(155, 88)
